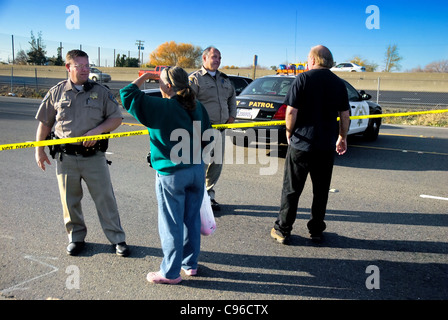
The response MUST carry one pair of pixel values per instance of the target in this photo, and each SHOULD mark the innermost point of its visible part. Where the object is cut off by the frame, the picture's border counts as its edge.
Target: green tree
(37, 53)
(122, 61)
(58, 61)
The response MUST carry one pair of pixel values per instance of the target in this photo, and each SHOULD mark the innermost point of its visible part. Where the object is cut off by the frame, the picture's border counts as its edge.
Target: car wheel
(94, 79)
(373, 129)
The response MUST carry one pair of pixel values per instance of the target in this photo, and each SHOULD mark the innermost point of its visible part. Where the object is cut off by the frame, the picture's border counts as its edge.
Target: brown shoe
(277, 235)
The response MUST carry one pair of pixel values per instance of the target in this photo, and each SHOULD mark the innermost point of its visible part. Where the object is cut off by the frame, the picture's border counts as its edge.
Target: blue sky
(240, 29)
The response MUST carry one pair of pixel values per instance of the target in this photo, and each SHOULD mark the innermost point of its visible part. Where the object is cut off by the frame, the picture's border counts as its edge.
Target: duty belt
(74, 150)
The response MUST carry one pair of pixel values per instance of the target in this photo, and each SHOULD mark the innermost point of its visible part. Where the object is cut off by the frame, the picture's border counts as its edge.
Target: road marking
(405, 135)
(400, 150)
(433, 197)
(36, 259)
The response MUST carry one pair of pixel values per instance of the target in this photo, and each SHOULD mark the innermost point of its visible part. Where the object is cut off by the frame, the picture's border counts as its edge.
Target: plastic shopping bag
(208, 224)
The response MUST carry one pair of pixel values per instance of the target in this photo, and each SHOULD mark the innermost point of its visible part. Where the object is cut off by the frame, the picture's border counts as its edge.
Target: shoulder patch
(112, 97)
(47, 96)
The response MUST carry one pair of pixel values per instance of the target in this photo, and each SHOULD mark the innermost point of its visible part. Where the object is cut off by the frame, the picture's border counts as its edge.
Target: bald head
(320, 57)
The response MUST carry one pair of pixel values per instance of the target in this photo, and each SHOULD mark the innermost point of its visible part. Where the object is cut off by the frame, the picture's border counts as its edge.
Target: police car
(262, 100)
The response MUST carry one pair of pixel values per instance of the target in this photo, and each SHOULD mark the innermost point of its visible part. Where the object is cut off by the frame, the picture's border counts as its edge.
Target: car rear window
(269, 86)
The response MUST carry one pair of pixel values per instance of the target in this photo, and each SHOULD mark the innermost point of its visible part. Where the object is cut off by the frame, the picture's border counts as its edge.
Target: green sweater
(174, 138)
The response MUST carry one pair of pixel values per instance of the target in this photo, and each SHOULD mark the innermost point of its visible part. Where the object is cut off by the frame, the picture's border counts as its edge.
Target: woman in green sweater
(176, 126)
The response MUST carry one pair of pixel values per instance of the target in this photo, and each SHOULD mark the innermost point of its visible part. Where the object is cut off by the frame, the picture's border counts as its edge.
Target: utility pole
(12, 40)
(255, 65)
(139, 43)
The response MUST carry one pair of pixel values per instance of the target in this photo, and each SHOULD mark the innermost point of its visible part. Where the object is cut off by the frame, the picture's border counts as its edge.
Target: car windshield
(272, 86)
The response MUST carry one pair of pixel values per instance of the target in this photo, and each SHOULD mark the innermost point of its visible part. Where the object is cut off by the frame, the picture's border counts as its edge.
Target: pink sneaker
(156, 277)
(191, 272)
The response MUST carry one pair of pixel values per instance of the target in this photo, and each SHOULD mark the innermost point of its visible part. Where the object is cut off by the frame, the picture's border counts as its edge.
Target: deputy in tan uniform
(79, 107)
(215, 91)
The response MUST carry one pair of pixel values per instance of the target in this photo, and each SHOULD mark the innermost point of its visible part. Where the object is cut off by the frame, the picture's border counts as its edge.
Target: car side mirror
(364, 95)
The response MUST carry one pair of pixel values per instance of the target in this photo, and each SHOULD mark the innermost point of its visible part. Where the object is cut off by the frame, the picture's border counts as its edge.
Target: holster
(53, 148)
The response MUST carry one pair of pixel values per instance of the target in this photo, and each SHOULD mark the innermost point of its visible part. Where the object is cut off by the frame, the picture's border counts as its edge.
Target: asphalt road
(386, 237)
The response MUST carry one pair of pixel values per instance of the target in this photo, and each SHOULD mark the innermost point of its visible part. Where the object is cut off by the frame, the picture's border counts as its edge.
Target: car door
(358, 107)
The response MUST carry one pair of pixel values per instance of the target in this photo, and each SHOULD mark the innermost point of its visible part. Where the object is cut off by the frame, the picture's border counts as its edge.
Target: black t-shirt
(318, 95)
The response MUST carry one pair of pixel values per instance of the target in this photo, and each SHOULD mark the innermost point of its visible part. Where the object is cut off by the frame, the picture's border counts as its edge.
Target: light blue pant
(179, 197)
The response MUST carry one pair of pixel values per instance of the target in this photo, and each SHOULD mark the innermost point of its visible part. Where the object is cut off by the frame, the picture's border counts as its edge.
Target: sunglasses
(168, 75)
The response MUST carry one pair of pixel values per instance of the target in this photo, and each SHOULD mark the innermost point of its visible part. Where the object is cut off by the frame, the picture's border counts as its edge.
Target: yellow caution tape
(33, 144)
(248, 124)
(43, 143)
(399, 114)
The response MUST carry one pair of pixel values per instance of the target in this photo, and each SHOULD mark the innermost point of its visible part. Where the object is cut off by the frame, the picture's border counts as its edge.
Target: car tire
(373, 129)
(94, 79)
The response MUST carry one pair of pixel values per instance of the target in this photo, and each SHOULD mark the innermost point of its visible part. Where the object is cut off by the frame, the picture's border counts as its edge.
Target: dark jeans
(319, 164)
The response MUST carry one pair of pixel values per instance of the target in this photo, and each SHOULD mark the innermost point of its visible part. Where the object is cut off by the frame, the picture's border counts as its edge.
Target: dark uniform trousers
(94, 170)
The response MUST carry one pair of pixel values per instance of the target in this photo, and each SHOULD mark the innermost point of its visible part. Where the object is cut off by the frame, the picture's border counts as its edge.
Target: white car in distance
(348, 67)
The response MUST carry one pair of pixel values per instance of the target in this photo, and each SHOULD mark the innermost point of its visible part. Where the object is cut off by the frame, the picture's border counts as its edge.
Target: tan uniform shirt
(217, 95)
(75, 112)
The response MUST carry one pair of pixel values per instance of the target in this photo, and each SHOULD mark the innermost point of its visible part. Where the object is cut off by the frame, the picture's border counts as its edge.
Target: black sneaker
(215, 205)
(316, 237)
(122, 249)
(277, 235)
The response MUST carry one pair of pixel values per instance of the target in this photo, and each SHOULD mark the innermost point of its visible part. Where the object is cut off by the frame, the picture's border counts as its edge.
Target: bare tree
(392, 59)
(437, 66)
(21, 58)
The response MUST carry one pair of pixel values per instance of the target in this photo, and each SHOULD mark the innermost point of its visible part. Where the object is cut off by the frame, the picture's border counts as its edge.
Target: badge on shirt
(94, 95)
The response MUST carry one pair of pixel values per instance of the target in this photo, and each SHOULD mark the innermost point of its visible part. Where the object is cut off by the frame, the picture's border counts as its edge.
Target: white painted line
(36, 259)
(433, 197)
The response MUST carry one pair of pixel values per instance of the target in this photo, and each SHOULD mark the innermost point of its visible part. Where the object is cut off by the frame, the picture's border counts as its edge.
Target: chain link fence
(423, 92)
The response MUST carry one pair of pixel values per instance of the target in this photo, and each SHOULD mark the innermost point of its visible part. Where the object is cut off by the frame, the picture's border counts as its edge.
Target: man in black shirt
(315, 100)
